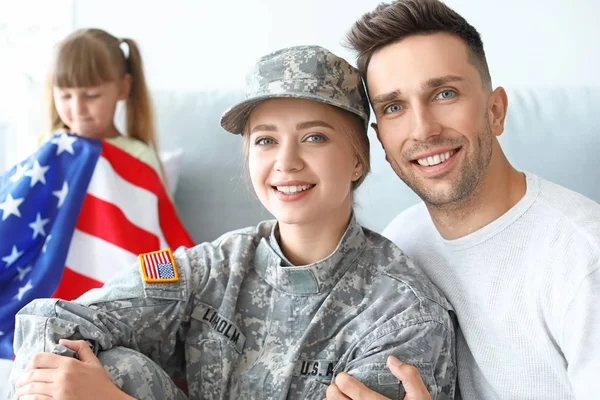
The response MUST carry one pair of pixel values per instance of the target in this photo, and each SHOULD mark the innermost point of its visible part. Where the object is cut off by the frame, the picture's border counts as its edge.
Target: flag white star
(23, 272)
(62, 194)
(1, 333)
(10, 207)
(37, 173)
(38, 225)
(64, 143)
(12, 257)
(21, 169)
(46, 243)
(23, 290)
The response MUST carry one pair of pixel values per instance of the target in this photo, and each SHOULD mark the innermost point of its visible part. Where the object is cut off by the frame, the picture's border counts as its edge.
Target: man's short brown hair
(390, 23)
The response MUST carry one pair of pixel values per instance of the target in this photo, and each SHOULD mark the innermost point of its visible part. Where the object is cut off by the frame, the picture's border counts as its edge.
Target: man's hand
(348, 388)
(51, 376)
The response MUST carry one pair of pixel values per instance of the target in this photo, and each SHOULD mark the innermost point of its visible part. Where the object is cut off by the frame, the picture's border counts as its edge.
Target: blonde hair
(354, 130)
(356, 133)
(89, 57)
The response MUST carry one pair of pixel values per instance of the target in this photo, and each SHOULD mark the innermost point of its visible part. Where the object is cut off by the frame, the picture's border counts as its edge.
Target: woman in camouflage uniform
(269, 312)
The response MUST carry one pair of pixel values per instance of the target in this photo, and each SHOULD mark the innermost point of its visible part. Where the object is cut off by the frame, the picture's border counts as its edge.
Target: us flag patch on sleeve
(158, 267)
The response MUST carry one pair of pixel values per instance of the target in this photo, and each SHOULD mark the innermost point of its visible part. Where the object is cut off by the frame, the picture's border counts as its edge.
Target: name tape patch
(221, 325)
(308, 368)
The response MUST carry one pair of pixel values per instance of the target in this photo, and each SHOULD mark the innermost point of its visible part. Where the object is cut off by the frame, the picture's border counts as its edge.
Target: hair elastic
(124, 48)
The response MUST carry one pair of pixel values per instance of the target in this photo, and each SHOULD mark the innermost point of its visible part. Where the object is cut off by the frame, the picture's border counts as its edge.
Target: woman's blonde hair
(355, 132)
(89, 57)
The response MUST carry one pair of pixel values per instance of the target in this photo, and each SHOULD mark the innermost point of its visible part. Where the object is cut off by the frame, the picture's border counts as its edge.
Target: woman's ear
(358, 170)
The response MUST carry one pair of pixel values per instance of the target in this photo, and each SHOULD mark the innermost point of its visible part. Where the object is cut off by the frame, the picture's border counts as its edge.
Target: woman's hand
(51, 376)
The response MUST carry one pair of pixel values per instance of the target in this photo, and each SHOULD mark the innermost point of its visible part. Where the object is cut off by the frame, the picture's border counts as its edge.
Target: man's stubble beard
(472, 171)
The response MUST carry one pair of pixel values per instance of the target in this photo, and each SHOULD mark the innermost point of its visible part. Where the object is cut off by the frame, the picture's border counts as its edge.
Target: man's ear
(376, 129)
(497, 106)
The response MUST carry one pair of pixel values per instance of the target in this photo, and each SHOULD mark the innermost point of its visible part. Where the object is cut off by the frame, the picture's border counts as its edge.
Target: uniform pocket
(205, 369)
(378, 378)
(213, 346)
(316, 390)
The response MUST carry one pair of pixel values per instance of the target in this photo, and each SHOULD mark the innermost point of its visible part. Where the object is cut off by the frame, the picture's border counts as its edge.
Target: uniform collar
(319, 277)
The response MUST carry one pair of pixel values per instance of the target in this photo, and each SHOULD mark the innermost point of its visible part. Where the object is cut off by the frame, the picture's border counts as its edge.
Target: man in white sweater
(517, 256)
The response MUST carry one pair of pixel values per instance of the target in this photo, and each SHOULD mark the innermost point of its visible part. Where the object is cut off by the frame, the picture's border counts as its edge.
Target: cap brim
(234, 119)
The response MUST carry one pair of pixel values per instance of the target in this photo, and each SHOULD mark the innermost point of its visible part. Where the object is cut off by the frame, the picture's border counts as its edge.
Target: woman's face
(300, 160)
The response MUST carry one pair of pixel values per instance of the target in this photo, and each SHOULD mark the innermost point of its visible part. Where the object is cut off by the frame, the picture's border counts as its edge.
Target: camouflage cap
(305, 72)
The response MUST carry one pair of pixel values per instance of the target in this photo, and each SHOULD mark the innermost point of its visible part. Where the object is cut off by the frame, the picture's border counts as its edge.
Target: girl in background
(79, 210)
(91, 71)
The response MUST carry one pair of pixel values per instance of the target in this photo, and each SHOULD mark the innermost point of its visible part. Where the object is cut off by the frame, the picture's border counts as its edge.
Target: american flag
(158, 266)
(73, 215)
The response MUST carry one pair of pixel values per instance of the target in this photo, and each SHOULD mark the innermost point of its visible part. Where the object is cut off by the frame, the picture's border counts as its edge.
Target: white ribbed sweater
(526, 289)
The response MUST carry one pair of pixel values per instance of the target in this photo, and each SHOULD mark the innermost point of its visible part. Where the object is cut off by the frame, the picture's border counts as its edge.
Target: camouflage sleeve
(126, 312)
(428, 345)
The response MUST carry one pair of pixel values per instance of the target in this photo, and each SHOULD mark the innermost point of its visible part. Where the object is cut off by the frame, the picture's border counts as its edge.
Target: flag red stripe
(108, 222)
(72, 285)
(148, 266)
(154, 266)
(131, 169)
(173, 230)
(141, 174)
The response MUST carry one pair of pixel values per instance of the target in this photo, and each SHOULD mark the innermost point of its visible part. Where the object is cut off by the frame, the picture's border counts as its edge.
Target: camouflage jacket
(242, 322)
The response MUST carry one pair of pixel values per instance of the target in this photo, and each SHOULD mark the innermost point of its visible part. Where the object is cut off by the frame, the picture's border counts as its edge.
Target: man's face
(432, 116)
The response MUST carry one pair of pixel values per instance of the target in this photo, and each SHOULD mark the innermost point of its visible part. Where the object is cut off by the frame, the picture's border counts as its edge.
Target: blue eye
(316, 138)
(446, 94)
(392, 108)
(264, 141)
